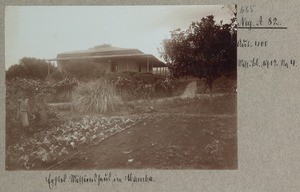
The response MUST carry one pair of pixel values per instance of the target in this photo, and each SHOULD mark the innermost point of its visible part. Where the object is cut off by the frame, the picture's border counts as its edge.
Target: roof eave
(157, 63)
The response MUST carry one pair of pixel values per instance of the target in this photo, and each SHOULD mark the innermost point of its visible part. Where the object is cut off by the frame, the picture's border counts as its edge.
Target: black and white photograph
(121, 87)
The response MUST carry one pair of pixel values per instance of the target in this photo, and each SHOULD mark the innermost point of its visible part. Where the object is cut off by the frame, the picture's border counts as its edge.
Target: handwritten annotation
(266, 63)
(250, 19)
(260, 22)
(96, 179)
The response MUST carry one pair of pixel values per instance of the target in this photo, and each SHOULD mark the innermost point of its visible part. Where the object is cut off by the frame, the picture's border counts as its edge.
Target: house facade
(109, 59)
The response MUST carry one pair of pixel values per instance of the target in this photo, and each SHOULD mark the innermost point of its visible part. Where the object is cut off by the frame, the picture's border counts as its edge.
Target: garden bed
(45, 149)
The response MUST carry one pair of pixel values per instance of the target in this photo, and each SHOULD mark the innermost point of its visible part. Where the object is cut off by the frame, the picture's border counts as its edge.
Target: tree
(31, 68)
(205, 50)
(16, 70)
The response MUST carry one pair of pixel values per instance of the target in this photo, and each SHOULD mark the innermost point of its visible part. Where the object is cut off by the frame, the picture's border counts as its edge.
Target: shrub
(63, 89)
(55, 76)
(96, 97)
(132, 85)
(125, 88)
(164, 87)
(30, 68)
(67, 84)
(39, 93)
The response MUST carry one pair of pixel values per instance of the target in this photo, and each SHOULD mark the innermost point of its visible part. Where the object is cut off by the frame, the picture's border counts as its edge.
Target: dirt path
(190, 90)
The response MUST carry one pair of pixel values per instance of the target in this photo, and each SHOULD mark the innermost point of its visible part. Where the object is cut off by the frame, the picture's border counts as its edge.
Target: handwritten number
(273, 21)
(247, 9)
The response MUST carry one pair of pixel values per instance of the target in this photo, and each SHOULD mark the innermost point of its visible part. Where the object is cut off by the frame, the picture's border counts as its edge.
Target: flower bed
(45, 149)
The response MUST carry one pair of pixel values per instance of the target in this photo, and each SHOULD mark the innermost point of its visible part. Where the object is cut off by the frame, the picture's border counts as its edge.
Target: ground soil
(190, 133)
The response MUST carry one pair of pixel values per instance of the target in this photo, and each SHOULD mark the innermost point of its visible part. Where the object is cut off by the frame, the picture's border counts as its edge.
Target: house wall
(144, 67)
(134, 65)
(104, 65)
(99, 65)
(127, 65)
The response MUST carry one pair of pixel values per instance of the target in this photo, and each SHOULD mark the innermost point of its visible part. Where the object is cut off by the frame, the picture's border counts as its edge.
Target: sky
(45, 31)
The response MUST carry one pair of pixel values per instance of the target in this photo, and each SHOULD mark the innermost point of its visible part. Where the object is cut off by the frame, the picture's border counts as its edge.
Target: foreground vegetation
(92, 111)
(48, 147)
(50, 135)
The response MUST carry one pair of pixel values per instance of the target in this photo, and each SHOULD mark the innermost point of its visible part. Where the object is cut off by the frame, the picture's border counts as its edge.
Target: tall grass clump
(96, 97)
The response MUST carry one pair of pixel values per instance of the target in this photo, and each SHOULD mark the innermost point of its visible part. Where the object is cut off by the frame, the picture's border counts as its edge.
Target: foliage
(30, 68)
(61, 75)
(107, 94)
(205, 50)
(96, 97)
(55, 76)
(132, 86)
(63, 89)
(67, 84)
(84, 68)
(38, 92)
(61, 141)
